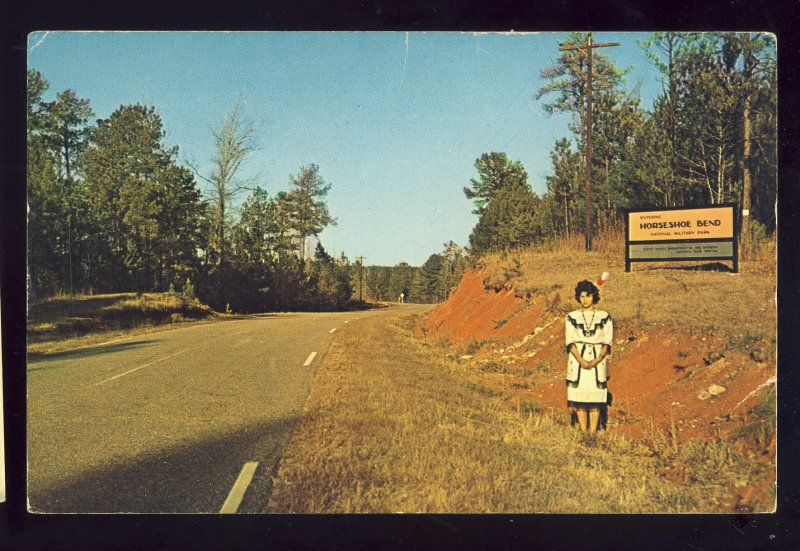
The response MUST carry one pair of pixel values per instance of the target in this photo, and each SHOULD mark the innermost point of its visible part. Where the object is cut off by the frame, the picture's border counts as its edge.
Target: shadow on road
(194, 477)
(235, 317)
(38, 357)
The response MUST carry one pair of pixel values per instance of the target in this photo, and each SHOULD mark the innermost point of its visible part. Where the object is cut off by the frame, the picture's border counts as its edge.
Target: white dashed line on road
(236, 494)
(141, 367)
(310, 359)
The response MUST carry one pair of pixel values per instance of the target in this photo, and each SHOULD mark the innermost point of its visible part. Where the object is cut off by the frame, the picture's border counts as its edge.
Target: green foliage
(307, 211)
(506, 205)
(499, 323)
(480, 389)
(566, 79)
(148, 206)
(439, 275)
(766, 409)
(746, 342)
(329, 280)
(386, 283)
(687, 151)
(564, 191)
(509, 221)
(47, 221)
(427, 285)
(495, 172)
(57, 132)
(400, 281)
(473, 347)
(187, 294)
(530, 407)
(112, 209)
(494, 367)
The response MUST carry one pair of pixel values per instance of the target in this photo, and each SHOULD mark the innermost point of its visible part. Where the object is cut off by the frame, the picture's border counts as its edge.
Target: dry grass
(693, 295)
(392, 425)
(61, 322)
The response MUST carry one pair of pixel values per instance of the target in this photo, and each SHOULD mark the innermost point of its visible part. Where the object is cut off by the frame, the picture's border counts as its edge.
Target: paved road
(170, 421)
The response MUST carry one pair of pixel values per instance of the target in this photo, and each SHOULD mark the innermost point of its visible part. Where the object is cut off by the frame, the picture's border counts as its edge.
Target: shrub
(553, 304)
(766, 408)
(530, 406)
(473, 347)
(499, 323)
(542, 365)
(746, 342)
(480, 389)
(188, 291)
(494, 367)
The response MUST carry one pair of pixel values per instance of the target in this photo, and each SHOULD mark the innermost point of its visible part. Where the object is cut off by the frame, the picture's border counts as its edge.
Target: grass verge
(62, 322)
(392, 425)
(699, 296)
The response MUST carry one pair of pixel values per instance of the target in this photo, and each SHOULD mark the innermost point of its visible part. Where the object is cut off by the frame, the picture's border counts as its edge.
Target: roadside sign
(681, 233)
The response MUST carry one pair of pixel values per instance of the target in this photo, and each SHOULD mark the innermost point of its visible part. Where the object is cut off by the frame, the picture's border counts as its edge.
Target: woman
(589, 333)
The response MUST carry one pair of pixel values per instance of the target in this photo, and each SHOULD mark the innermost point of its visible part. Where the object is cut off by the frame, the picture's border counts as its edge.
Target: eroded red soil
(660, 377)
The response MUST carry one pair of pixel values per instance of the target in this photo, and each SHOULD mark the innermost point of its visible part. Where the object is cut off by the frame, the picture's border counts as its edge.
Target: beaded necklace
(589, 324)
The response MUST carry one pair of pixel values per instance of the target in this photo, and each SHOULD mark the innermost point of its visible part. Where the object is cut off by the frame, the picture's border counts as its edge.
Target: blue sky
(395, 121)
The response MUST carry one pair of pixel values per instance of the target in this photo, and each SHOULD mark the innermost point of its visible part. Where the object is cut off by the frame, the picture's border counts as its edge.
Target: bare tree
(234, 140)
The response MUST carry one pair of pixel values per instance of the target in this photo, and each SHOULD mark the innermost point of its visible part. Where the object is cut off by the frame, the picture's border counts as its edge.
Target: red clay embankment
(660, 377)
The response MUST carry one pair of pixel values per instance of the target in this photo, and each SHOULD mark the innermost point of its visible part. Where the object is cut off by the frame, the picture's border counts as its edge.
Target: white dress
(588, 330)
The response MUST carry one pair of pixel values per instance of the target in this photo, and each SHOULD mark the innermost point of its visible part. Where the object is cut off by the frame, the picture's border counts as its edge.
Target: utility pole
(360, 278)
(748, 70)
(589, 77)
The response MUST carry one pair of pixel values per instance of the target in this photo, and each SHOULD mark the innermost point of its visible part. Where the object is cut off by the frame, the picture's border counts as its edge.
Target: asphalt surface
(167, 422)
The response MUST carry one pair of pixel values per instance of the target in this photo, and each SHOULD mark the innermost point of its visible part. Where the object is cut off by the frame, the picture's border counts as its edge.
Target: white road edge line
(140, 367)
(310, 359)
(236, 494)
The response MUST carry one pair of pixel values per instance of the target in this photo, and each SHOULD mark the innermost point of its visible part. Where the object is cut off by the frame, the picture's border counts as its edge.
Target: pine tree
(46, 201)
(567, 80)
(180, 227)
(57, 132)
(506, 205)
(748, 64)
(495, 171)
(428, 289)
(307, 209)
(564, 187)
(138, 198)
(508, 222)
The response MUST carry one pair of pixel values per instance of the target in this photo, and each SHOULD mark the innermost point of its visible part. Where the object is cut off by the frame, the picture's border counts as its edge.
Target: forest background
(112, 209)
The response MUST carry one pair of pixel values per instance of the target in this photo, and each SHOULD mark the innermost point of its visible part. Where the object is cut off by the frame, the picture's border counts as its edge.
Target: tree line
(111, 209)
(710, 138)
(430, 283)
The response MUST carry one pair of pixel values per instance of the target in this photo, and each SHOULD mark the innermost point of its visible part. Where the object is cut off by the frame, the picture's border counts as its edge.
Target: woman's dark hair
(589, 288)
